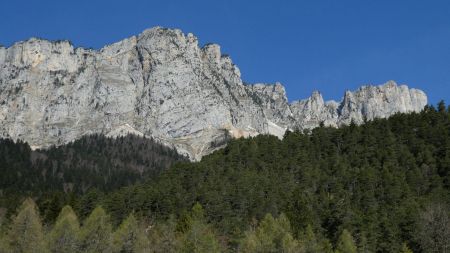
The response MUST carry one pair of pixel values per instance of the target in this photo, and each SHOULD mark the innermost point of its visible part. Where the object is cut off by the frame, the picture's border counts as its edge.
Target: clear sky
(325, 45)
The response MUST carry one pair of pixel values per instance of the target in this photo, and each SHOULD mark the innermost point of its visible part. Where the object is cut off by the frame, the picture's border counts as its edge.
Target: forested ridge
(92, 162)
(379, 187)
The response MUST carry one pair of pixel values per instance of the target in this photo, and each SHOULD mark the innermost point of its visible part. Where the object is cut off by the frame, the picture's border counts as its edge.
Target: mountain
(161, 84)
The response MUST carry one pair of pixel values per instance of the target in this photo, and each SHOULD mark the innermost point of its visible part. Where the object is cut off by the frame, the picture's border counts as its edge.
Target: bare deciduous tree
(434, 228)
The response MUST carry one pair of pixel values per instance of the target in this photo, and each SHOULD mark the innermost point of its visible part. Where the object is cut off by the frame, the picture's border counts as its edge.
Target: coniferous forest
(383, 186)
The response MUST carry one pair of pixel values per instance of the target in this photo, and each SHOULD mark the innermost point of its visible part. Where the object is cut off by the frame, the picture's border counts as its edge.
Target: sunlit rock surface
(161, 84)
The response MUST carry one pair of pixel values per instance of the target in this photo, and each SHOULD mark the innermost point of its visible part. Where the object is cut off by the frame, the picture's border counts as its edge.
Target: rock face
(368, 102)
(162, 84)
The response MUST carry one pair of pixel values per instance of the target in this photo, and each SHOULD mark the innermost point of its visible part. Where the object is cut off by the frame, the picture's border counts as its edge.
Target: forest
(382, 186)
(93, 161)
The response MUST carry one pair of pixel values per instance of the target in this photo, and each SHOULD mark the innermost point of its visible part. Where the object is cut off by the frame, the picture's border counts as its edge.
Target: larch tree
(346, 244)
(26, 233)
(405, 249)
(129, 237)
(272, 235)
(96, 232)
(63, 237)
(199, 236)
(309, 242)
(163, 237)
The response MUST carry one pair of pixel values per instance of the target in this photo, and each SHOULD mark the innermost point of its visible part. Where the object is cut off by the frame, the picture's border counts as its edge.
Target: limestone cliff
(162, 84)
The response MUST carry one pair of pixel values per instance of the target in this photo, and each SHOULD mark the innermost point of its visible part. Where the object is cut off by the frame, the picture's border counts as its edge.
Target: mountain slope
(373, 180)
(93, 161)
(161, 84)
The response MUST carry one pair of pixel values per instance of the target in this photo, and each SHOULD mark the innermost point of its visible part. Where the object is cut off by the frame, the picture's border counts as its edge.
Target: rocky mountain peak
(160, 83)
(316, 100)
(212, 53)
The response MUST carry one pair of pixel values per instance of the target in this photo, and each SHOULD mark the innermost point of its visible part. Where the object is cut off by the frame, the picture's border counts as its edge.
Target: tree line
(96, 234)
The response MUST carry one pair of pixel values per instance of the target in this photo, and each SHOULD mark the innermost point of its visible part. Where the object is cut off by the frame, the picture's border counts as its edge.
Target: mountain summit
(162, 84)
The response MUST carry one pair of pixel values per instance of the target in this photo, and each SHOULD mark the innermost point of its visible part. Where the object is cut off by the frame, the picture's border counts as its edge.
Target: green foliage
(96, 232)
(63, 238)
(26, 234)
(129, 237)
(163, 237)
(3, 230)
(272, 235)
(405, 249)
(56, 176)
(372, 179)
(93, 161)
(346, 243)
(309, 242)
(199, 236)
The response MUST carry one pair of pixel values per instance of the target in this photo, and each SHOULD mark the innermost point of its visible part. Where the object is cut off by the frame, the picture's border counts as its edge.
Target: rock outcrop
(366, 103)
(162, 84)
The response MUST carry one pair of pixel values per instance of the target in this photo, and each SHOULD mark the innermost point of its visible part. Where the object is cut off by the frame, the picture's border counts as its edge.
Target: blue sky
(325, 45)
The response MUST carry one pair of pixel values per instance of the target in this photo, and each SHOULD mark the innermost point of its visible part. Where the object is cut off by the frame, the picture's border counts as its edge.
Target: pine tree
(441, 106)
(95, 233)
(129, 237)
(345, 243)
(64, 235)
(199, 237)
(26, 234)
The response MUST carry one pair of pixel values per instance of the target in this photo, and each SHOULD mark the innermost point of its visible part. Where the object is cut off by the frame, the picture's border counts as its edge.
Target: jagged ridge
(163, 85)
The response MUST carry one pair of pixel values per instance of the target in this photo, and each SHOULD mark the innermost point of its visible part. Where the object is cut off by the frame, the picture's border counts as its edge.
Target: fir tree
(441, 106)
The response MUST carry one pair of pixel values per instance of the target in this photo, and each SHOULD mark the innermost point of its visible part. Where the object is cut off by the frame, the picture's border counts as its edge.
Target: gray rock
(162, 84)
(366, 103)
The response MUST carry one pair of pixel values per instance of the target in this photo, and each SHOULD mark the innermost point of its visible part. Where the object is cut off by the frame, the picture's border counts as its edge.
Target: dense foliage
(96, 234)
(372, 180)
(193, 233)
(379, 187)
(92, 162)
